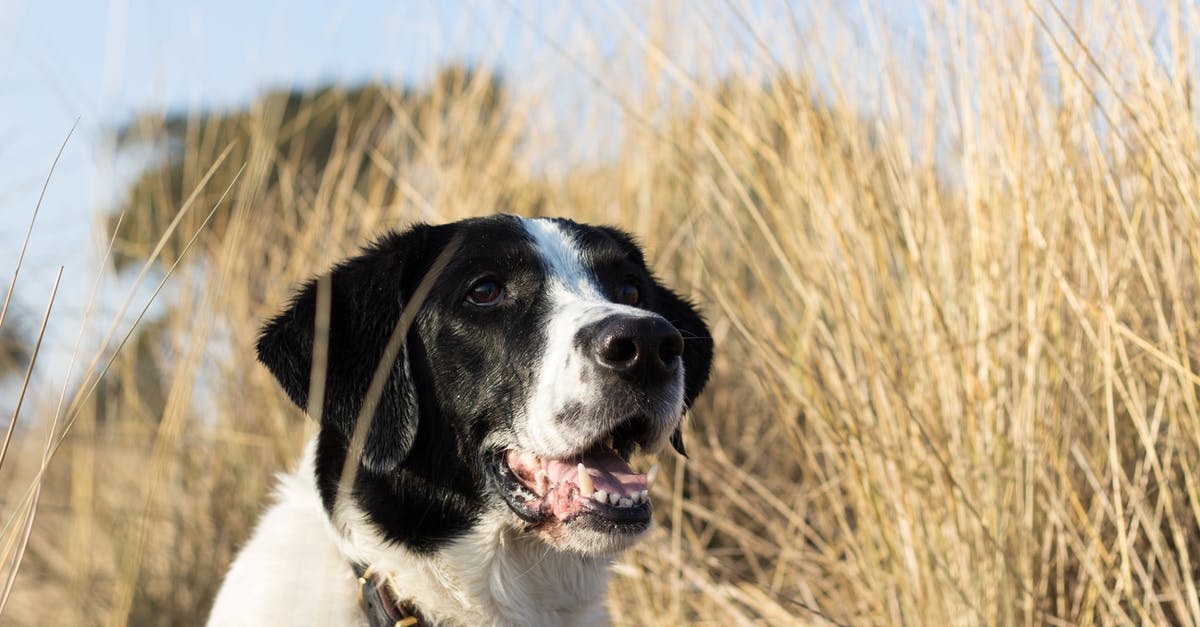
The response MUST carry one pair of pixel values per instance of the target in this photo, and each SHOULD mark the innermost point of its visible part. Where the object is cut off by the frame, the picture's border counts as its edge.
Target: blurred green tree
(287, 140)
(14, 351)
(14, 343)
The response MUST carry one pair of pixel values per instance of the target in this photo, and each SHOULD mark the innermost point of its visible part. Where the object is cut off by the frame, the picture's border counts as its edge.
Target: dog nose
(646, 347)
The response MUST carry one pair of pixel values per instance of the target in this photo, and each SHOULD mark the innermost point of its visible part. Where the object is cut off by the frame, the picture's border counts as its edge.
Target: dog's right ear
(367, 294)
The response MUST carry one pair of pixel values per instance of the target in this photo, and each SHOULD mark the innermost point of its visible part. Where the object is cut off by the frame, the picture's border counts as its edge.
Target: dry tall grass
(956, 315)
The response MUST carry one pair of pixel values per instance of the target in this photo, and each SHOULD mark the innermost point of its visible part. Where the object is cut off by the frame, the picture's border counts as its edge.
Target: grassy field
(956, 305)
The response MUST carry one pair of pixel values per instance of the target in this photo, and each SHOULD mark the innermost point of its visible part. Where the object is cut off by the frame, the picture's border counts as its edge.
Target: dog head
(537, 355)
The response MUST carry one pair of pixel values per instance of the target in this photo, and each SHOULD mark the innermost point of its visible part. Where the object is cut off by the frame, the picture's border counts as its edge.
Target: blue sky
(101, 62)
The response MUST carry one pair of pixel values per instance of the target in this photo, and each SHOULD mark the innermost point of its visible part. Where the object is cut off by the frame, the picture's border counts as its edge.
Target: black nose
(645, 347)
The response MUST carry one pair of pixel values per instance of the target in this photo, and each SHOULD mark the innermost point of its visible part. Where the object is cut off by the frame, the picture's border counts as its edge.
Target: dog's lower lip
(619, 515)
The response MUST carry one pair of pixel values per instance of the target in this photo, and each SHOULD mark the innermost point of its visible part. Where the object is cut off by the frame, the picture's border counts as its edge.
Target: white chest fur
(296, 571)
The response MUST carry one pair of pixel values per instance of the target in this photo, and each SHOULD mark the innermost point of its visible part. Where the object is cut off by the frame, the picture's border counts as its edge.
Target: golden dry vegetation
(957, 314)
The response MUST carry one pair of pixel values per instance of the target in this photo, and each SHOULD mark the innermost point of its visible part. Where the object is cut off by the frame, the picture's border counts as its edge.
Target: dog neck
(492, 574)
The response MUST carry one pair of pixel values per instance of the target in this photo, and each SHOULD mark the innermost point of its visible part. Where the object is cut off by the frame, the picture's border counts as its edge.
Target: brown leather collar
(379, 602)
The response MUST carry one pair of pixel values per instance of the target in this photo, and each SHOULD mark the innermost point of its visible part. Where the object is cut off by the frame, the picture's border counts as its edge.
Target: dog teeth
(585, 482)
(617, 500)
(651, 476)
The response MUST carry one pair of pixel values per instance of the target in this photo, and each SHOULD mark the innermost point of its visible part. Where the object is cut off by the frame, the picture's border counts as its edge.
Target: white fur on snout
(560, 384)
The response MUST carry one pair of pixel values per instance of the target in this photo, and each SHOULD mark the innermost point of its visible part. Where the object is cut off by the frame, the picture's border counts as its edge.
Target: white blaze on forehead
(564, 261)
(576, 300)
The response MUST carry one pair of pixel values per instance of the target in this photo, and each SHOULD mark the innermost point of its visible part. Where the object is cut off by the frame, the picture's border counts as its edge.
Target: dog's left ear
(697, 348)
(367, 295)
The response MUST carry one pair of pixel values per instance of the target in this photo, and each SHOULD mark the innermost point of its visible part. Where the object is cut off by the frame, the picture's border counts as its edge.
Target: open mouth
(596, 484)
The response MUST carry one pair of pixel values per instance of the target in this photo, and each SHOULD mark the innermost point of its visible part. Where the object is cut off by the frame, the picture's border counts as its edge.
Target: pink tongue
(607, 471)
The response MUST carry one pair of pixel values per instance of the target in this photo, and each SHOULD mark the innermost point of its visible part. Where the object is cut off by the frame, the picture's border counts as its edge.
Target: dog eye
(486, 293)
(627, 293)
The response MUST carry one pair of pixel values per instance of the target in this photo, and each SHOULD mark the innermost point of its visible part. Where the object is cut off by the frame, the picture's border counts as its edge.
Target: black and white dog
(493, 484)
